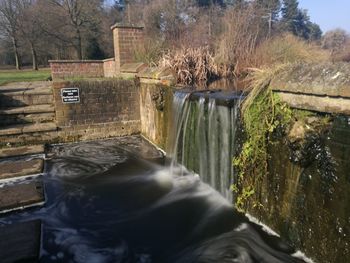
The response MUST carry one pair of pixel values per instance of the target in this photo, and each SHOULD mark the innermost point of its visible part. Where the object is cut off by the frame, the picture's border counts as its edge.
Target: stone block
(20, 196)
(20, 168)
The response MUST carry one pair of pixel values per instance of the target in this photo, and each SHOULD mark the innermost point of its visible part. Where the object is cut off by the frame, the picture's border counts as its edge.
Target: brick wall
(126, 39)
(107, 108)
(63, 69)
(109, 68)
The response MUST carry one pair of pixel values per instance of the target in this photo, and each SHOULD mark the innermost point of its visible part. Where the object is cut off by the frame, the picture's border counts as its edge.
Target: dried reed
(191, 65)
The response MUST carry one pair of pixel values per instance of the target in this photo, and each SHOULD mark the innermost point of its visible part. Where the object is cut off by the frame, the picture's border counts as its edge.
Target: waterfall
(203, 133)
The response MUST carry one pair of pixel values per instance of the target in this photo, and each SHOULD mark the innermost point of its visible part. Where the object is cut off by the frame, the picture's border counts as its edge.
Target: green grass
(7, 76)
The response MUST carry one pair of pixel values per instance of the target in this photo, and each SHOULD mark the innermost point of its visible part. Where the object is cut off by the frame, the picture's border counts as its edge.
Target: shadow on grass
(7, 76)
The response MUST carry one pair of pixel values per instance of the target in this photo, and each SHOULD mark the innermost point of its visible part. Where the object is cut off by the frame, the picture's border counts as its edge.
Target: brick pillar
(126, 38)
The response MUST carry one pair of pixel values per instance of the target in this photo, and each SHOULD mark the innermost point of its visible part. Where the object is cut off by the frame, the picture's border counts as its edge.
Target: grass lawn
(7, 76)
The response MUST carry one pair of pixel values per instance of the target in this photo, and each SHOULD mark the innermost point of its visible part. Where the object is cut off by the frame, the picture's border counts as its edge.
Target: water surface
(104, 203)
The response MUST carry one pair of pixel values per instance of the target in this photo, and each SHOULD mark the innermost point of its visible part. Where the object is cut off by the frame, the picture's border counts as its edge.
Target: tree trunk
(15, 51)
(270, 24)
(34, 57)
(79, 46)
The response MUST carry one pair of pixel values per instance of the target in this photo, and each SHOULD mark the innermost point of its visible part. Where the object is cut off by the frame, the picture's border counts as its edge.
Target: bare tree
(241, 35)
(335, 41)
(81, 16)
(9, 25)
(30, 26)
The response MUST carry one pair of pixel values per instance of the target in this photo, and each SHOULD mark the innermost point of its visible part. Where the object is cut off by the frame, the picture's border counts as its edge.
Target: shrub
(288, 49)
(191, 64)
(150, 52)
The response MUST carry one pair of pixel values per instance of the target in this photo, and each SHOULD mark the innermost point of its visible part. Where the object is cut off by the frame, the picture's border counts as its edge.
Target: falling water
(204, 136)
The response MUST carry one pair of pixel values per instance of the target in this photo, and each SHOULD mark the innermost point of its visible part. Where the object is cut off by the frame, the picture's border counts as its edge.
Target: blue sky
(329, 14)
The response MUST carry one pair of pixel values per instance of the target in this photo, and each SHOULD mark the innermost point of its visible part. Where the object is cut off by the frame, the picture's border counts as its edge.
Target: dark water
(104, 204)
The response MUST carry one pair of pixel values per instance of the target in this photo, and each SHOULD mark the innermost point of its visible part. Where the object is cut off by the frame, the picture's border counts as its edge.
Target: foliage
(286, 49)
(263, 113)
(297, 21)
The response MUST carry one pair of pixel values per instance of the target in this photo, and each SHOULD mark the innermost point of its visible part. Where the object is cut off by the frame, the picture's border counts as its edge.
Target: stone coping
(133, 67)
(108, 59)
(76, 61)
(121, 25)
(317, 103)
(327, 79)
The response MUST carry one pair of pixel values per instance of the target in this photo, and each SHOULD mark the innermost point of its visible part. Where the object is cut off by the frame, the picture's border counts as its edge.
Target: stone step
(20, 242)
(34, 88)
(21, 151)
(21, 196)
(24, 100)
(24, 94)
(28, 128)
(7, 120)
(44, 108)
(20, 168)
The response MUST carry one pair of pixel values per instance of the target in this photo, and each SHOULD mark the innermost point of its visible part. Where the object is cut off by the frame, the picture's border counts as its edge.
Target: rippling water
(104, 204)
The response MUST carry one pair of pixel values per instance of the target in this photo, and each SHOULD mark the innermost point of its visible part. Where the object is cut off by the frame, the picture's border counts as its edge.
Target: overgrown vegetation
(287, 48)
(191, 65)
(265, 118)
(262, 113)
(232, 32)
